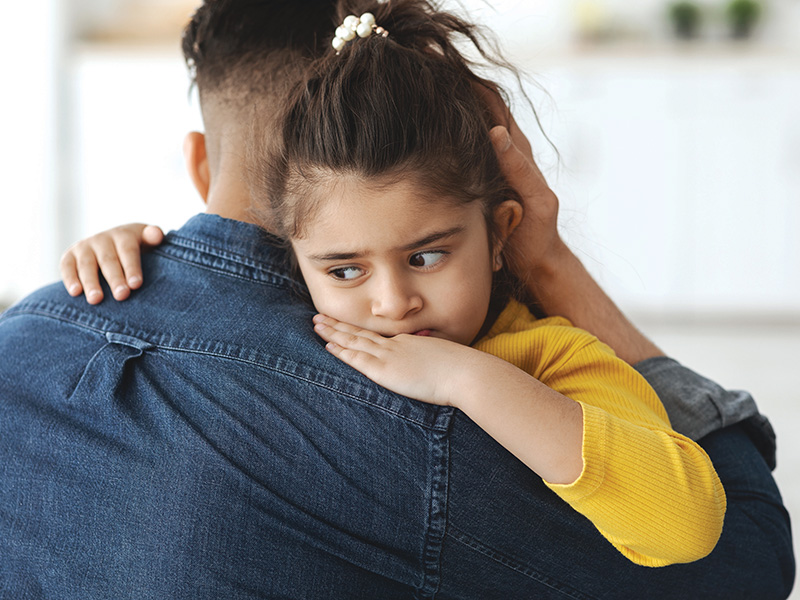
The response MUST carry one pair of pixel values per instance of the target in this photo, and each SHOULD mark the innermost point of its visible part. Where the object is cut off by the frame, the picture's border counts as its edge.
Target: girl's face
(393, 261)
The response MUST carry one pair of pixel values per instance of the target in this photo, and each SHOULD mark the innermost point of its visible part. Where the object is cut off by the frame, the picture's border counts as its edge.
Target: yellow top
(650, 491)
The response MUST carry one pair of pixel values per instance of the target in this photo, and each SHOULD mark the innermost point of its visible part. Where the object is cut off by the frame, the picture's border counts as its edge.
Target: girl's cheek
(342, 307)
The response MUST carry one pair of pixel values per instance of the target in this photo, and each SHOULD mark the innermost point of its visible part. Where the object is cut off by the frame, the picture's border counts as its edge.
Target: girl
(388, 190)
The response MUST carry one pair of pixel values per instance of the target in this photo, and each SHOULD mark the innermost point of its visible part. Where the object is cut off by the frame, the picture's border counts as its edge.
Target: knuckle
(97, 238)
(127, 243)
(86, 262)
(106, 257)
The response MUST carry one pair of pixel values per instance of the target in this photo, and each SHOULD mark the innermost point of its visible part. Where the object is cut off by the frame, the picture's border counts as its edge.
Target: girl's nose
(395, 299)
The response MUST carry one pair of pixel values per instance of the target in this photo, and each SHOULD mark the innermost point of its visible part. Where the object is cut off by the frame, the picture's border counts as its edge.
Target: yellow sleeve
(652, 492)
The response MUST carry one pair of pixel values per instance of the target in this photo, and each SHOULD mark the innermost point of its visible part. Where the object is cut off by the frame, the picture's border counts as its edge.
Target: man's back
(197, 442)
(182, 445)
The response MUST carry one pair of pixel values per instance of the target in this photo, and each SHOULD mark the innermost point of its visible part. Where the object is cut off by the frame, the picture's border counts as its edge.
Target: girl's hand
(420, 367)
(117, 253)
(535, 423)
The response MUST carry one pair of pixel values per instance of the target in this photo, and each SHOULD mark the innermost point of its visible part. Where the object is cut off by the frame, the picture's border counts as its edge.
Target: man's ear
(507, 216)
(196, 159)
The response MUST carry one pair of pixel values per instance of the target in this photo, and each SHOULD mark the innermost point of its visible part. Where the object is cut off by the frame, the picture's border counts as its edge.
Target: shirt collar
(231, 241)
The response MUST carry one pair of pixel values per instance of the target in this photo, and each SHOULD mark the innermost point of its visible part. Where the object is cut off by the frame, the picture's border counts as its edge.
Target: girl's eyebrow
(428, 239)
(433, 237)
(335, 256)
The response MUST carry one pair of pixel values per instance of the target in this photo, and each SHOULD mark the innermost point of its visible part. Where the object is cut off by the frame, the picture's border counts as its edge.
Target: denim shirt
(191, 419)
(197, 441)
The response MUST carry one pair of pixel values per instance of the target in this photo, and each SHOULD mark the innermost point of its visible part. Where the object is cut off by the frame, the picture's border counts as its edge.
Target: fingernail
(94, 294)
(120, 289)
(134, 281)
(74, 288)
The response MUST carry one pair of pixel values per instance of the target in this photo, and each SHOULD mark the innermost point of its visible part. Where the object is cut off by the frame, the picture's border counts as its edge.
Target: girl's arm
(611, 454)
(544, 431)
(117, 254)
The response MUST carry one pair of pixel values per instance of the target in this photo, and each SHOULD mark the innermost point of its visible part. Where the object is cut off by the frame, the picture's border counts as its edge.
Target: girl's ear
(196, 158)
(507, 216)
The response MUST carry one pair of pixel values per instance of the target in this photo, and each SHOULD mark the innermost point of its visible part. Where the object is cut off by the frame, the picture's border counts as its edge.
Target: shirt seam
(175, 242)
(514, 564)
(256, 274)
(267, 362)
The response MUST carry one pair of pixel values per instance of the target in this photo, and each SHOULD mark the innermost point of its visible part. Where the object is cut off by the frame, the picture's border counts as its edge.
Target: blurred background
(676, 124)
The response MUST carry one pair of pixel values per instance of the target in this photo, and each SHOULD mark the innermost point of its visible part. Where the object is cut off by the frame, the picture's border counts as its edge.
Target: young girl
(388, 189)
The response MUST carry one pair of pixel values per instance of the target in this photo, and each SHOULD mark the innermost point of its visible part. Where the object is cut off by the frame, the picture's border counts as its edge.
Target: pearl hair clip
(354, 26)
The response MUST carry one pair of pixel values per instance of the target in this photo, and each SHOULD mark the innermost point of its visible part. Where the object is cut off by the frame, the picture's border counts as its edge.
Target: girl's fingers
(69, 274)
(152, 235)
(355, 358)
(109, 262)
(356, 350)
(117, 253)
(346, 335)
(343, 327)
(130, 258)
(87, 274)
(345, 339)
(129, 241)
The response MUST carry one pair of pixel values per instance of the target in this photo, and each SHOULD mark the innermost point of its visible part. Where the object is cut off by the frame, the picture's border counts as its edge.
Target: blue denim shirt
(198, 442)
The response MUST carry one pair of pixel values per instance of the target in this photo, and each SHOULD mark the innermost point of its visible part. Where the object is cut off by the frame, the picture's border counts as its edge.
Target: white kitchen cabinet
(680, 179)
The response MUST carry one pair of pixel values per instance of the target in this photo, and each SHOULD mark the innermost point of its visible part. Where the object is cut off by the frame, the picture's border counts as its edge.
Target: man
(196, 441)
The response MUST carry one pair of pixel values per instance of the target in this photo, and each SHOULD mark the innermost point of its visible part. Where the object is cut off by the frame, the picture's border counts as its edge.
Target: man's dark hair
(239, 47)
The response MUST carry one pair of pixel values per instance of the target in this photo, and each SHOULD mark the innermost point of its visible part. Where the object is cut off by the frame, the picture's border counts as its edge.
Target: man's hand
(550, 271)
(535, 243)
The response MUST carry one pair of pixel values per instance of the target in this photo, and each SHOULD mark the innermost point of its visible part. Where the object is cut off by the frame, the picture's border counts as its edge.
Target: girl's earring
(498, 262)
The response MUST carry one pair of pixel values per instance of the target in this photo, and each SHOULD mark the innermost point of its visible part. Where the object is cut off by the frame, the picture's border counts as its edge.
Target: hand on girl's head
(501, 115)
(116, 254)
(537, 237)
(536, 240)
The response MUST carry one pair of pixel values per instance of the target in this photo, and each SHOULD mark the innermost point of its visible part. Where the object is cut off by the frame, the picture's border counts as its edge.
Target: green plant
(686, 18)
(742, 16)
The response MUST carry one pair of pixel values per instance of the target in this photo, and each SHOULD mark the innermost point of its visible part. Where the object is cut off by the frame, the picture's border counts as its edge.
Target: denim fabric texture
(197, 442)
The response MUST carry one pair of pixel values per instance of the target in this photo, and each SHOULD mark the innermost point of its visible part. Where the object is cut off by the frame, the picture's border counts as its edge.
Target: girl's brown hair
(409, 105)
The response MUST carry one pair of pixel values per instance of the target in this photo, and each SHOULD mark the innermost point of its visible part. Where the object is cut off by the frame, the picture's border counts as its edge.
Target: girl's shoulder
(541, 346)
(517, 318)
(519, 337)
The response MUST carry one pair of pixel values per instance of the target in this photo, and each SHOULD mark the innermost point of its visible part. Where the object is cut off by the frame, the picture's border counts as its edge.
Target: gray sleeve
(697, 406)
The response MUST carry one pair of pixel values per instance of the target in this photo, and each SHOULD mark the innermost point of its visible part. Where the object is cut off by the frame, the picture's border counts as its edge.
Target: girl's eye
(427, 258)
(345, 273)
